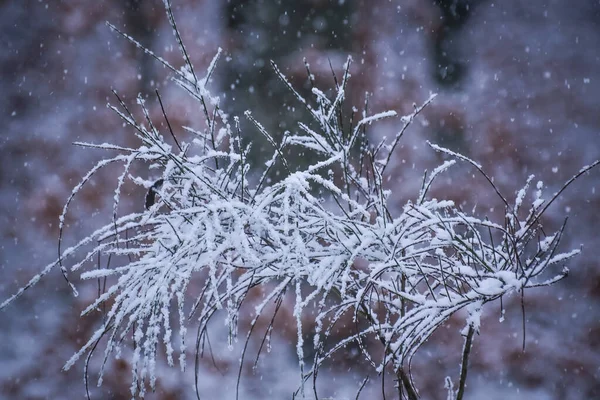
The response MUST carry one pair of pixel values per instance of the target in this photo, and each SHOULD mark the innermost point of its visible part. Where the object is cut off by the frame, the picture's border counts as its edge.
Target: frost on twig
(325, 234)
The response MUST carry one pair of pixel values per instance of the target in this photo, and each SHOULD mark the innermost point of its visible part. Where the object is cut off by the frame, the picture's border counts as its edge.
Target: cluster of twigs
(325, 234)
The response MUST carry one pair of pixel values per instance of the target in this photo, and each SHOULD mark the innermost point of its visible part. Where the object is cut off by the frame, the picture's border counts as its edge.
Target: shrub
(324, 234)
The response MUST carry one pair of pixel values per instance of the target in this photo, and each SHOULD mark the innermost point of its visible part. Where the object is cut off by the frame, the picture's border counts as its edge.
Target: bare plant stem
(465, 362)
(404, 381)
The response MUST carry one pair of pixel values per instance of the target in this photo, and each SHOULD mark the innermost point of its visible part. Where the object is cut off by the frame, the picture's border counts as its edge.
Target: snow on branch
(326, 238)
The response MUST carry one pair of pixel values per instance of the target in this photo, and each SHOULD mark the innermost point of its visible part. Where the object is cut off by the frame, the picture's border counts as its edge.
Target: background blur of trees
(519, 91)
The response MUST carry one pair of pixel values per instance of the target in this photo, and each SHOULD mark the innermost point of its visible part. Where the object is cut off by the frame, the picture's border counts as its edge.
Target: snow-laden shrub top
(324, 234)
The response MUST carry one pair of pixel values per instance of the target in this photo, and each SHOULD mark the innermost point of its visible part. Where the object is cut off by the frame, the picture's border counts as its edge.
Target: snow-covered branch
(325, 234)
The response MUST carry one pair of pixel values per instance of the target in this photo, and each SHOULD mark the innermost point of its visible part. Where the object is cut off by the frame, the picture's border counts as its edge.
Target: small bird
(151, 195)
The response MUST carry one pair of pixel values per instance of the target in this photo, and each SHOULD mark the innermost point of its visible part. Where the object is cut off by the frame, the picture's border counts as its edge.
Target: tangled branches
(324, 234)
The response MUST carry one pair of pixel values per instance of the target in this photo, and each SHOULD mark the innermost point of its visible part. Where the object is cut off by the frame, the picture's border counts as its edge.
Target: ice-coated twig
(325, 235)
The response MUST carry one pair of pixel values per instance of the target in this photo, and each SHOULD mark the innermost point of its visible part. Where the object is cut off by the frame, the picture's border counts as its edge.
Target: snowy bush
(325, 235)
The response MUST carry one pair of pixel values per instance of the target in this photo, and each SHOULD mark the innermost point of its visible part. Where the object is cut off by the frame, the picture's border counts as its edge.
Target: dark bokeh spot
(449, 69)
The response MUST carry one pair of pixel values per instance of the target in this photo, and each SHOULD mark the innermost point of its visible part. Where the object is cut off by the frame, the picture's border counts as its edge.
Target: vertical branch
(465, 361)
(403, 288)
(404, 382)
(523, 315)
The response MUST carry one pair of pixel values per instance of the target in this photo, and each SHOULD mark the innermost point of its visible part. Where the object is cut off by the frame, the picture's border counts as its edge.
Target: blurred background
(518, 86)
